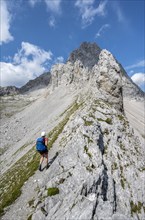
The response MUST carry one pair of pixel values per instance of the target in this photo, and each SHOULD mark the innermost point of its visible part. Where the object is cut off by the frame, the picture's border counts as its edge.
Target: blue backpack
(40, 144)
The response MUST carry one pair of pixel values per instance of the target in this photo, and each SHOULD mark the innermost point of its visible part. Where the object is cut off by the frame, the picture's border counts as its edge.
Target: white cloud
(29, 62)
(139, 79)
(88, 11)
(138, 64)
(101, 30)
(33, 2)
(59, 60)
(119, 13)
(52, 22)
(53, 5)
(5, 35)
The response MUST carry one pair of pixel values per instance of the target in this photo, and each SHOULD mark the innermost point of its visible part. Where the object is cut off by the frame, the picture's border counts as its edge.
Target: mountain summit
(93, 115)
(87, 53)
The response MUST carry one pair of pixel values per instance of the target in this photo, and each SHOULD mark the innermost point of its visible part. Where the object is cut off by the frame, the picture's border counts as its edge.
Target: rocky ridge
(35, 84)
(38, 83)
(8, 90)
(99, 168)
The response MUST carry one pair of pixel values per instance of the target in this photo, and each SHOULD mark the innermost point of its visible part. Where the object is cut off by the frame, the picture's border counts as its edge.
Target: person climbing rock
(41, 147)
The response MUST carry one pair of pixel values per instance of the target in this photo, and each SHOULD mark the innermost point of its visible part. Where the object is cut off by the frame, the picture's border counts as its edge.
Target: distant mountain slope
(8, 90)
(130, 89)
(96, 157)
(41, 81)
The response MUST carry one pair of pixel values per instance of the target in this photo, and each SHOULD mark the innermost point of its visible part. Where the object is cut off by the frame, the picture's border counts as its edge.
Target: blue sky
(35, 34)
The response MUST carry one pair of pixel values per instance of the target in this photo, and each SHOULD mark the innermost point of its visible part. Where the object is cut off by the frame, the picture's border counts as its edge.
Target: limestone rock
(87, 54)
(9, 90)
(98, 172)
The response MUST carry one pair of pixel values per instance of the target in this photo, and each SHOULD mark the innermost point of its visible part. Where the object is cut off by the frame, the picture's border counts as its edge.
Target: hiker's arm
(46, 142)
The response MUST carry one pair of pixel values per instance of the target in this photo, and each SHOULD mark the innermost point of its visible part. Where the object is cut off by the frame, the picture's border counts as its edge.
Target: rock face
(40, 82)
(99, 169)
(130, 89)
(84, 53)
(9, 90)
(96, 159)
(104, 76)
(35, 84)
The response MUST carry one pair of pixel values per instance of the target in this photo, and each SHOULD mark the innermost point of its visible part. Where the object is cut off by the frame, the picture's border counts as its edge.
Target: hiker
(41, 147)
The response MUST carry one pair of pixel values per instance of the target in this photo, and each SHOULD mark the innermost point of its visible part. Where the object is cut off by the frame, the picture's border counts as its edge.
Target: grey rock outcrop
(40, 82)
(130, 89)
(105, 76)
(99, 169)
(87, 53)
(8, 90)
(97, 160)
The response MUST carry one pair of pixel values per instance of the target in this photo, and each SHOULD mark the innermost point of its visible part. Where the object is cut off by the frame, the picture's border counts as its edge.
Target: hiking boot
(40, 168)
(47, 166)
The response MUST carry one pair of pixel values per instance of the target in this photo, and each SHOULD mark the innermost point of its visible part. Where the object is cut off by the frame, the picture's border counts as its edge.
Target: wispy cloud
(53, 5)
(29, 62)
(5, 36)
(138, 64)
(33, 2)
(139, 79)
(52, 21)
(118, 11)
(59, 60)
(88, 11)
(101, 30)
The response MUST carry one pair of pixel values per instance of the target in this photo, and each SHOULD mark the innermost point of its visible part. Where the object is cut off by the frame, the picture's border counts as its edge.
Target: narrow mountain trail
(18, 135)
(95, 130)
(26, 203)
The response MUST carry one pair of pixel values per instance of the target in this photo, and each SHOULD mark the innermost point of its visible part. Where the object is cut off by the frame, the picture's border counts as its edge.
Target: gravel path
(23, 128)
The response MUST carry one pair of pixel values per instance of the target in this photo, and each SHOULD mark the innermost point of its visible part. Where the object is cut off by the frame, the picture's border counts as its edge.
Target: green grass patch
(135, 208)
(89, 139)
(13, 179)
(108, 120)
(20, 149)
(105, 149)
(123, 179)
(114, 166)
(87, 152)
(106, 131)
(88, 123)
(52, 191)
(122, 146)
(53, 135)
(121, 117)
(3, 150)
(31, 202)
(30, 217)
(91, 115)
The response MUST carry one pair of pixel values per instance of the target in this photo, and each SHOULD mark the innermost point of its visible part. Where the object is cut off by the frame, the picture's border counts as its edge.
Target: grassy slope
(12, 181)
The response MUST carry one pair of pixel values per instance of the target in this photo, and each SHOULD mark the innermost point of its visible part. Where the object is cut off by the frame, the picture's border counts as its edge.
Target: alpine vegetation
(95, 145)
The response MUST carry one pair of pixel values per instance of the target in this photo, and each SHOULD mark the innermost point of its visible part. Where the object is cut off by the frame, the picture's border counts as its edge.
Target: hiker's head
(43, 134)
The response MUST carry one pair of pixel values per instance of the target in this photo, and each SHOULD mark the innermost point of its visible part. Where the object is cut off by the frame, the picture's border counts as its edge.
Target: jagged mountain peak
(95, 156)
(100, 68)
(87, 53)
